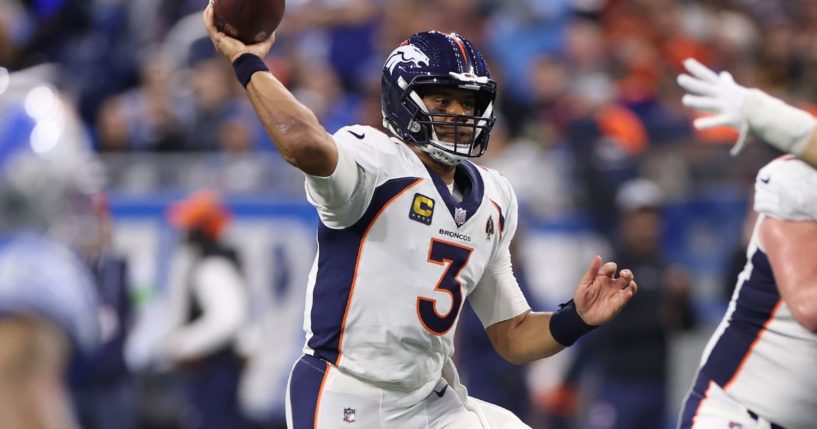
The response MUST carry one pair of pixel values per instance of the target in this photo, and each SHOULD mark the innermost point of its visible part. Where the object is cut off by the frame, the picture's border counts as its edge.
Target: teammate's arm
(294, 129)
(809, 153)
(533, 335)
(791, 247)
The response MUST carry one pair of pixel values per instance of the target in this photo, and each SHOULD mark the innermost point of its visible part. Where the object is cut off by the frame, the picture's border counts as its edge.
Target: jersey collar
(469, 182)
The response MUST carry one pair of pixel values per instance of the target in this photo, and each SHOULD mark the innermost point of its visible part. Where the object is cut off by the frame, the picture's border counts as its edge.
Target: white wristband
(781, 125)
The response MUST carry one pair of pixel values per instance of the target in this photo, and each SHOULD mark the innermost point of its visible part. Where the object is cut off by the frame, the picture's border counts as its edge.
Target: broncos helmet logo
(406, 54)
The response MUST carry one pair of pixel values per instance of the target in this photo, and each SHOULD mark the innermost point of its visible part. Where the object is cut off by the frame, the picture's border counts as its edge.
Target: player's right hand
(233, 48)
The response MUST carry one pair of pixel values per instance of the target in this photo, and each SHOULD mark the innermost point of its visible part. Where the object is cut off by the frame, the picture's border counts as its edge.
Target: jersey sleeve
(342, 197)
(497, 297)
(786, 189)
(43, 278)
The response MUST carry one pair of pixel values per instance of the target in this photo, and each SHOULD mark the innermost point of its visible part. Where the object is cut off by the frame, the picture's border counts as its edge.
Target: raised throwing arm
(294, 129)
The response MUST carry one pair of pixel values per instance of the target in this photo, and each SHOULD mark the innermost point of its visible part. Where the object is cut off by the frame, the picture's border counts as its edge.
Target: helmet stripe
(466, 60)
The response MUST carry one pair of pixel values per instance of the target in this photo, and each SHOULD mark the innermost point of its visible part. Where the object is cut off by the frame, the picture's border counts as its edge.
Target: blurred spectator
(213, 97)
(144, 118)
(632, 352)
(348, 35)
(209, 303)
(606, 141)
(320, 89)
(520, 30)
(539, 173)
(104, 392)
(48, 27)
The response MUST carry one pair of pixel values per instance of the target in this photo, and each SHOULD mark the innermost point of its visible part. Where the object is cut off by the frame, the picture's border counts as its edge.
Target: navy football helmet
(433, 59)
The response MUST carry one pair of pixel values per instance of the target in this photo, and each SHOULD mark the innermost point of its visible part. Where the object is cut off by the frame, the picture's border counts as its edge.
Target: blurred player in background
(409, 228)
(48, 304)
(758, 369)
(208, 296)
(632, 352)
(748, 109)
(103, 388)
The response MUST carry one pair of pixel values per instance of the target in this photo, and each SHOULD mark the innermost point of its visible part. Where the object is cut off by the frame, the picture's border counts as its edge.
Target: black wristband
(566, 326)
(246, 65)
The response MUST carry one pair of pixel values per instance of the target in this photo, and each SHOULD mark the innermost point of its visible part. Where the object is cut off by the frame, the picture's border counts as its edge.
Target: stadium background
(587, 102)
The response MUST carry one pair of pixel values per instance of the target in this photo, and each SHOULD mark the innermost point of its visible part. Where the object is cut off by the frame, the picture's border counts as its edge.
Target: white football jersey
(397, 258)
(759, 354)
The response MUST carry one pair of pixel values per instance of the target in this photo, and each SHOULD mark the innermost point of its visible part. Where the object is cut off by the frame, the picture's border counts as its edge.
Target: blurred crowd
(588, 108)
(590, 82)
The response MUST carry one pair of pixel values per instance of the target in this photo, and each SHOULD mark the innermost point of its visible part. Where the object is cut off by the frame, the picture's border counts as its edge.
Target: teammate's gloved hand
(783, 126)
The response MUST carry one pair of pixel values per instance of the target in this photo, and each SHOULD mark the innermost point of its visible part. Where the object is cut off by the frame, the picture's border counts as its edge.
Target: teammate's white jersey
(760, 355)
(41, 277)
(398, 256)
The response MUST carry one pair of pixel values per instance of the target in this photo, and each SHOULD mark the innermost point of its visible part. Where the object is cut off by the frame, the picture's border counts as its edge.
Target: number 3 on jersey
(454, 257)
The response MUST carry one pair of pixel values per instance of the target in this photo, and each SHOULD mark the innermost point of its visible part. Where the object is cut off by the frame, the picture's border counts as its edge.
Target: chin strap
(440, 155)
(436, 153)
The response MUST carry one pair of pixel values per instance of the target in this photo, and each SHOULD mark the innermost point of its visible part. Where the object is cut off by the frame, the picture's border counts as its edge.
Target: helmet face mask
(428, 62)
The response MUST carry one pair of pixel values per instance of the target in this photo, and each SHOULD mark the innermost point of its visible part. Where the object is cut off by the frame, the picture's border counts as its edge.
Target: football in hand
(250, 21)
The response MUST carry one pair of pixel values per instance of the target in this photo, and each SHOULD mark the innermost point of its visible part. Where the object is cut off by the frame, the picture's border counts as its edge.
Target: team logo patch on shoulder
(422, 209)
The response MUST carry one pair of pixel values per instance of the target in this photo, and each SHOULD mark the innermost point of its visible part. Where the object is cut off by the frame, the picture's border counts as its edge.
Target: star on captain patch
(349, 415)
(460, 215)
(489, 228)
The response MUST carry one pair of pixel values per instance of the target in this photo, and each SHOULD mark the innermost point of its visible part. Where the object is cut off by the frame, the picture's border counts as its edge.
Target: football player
(48, 302)
(787, 128)
(410, 227)
(757, 370)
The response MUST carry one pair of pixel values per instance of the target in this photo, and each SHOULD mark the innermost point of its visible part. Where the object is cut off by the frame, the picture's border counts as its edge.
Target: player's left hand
(233, 48)
(601, 295)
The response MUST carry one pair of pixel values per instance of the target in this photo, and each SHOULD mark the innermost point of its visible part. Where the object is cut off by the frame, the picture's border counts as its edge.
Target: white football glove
(784, 127)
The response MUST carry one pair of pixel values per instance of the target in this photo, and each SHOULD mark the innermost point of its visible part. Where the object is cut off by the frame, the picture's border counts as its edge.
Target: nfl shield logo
(459, 216)
(349, 415)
